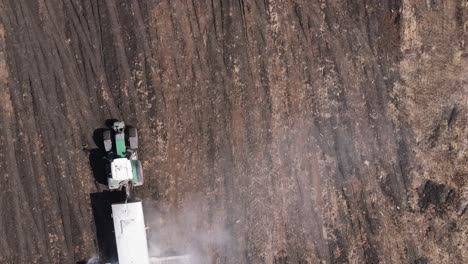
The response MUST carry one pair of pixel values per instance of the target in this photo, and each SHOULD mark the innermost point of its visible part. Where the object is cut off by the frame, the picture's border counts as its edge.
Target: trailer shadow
(102, 212)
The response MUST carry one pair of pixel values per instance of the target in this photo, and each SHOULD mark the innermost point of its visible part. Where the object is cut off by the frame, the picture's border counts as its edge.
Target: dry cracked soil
(296, 131)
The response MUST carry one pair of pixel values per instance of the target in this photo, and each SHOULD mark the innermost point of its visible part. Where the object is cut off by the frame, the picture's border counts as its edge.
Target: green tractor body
(120, 148)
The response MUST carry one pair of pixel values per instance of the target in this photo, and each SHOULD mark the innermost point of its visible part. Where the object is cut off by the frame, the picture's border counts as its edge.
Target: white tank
(130, 233)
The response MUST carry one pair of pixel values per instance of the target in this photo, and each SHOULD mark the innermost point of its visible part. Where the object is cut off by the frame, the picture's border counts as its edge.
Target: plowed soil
(304, 131)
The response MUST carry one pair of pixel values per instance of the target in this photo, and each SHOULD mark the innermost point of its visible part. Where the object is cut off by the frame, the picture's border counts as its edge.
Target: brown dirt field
(271, 131)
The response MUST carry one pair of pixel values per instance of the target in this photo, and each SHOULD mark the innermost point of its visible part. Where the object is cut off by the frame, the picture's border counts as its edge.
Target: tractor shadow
(98, 154)
(96, 157)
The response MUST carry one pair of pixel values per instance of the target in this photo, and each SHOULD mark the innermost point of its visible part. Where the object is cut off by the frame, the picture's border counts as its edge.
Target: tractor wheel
(137, 173)
(106, 137)
(133, 138)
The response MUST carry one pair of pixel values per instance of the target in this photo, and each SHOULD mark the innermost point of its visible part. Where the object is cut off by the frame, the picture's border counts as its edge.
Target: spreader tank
(130, 233)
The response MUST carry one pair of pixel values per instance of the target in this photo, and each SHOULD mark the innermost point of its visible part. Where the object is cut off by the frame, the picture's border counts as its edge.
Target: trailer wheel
(106, 136)
(133, 138)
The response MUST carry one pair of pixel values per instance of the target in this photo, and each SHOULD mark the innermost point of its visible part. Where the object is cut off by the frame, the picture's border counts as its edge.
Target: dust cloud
(94, 260)
(185, 231)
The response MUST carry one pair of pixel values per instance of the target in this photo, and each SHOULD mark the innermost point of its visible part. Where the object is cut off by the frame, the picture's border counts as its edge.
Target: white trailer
(130, 233)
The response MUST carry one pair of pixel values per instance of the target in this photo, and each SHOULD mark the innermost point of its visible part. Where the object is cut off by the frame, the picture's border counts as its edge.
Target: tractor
(124, 170)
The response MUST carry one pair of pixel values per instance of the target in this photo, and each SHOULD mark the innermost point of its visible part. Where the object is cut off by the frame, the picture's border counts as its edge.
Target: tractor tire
(133, 138)
(137, 173)
(107, 140)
